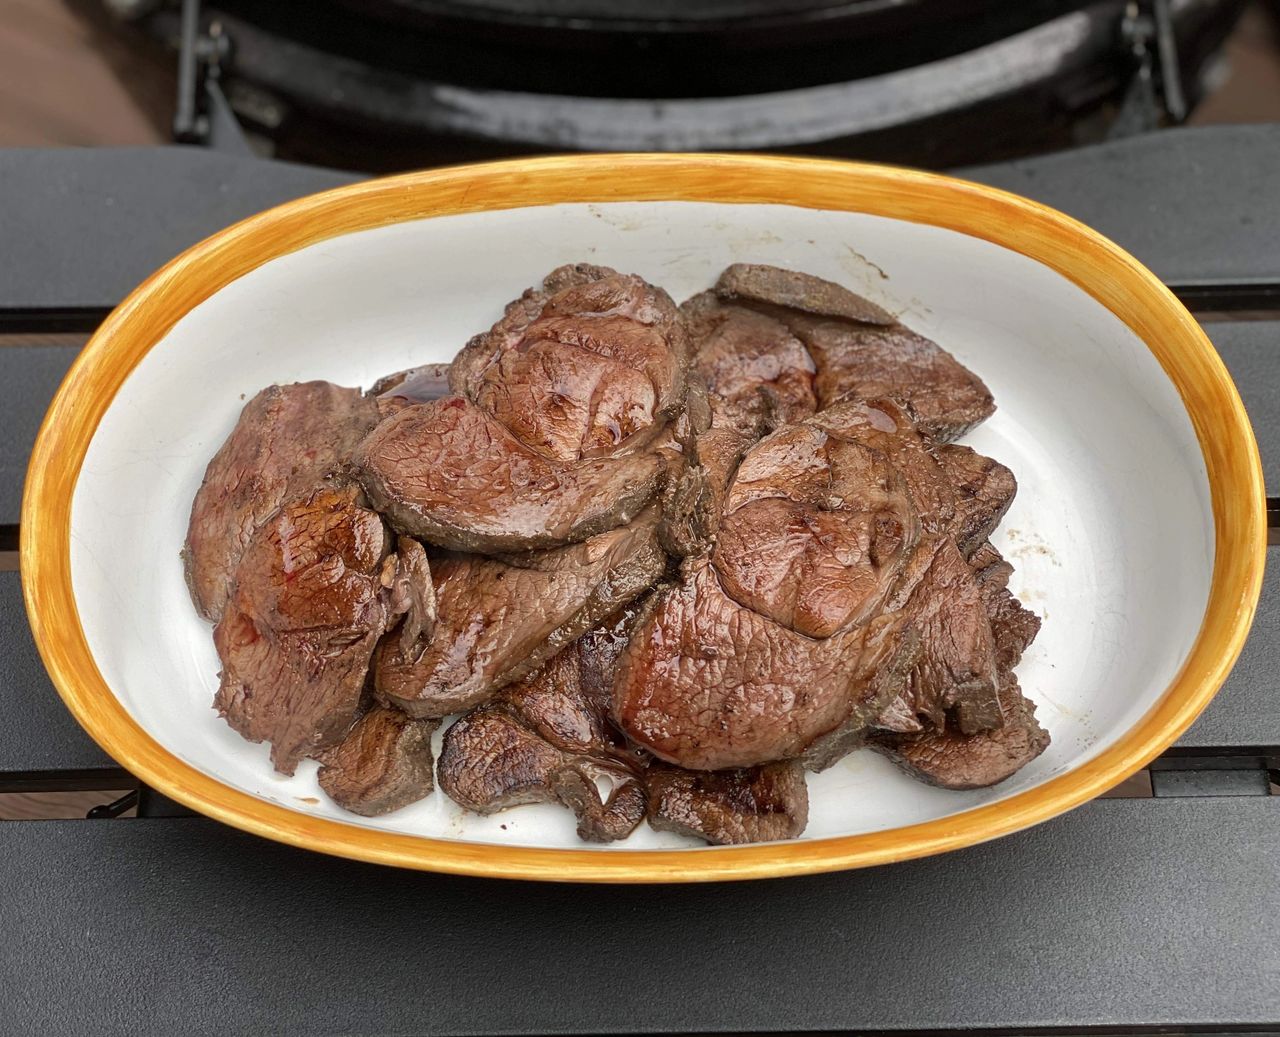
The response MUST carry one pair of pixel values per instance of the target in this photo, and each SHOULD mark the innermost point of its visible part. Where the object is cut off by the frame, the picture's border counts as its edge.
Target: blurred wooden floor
(66, 78)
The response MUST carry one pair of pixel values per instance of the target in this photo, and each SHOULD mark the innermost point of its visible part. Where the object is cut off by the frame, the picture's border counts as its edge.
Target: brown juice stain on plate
(623, 223)
(307, 799)
(1028, 544)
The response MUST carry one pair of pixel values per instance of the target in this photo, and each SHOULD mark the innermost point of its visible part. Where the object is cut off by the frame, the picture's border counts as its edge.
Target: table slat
(1245, 714)
(82, 227)
(1126, 912)
(29, 376)
(92, 224)
(1194, 205)
(38, 734)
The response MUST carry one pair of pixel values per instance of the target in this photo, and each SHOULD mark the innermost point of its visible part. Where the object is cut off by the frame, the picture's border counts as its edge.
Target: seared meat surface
(548, 437)
(955, 672)
(815, 529)
(754, 805)
(384, 763)
(548, 739)
(757, 373)
(983, 490)
(308, 607)
(709, 684)
(952, 760)
(288, 438)
(777, 639)
(663, 560)
(862, 351)
(452, 474)
(498, 619)
(948, 753)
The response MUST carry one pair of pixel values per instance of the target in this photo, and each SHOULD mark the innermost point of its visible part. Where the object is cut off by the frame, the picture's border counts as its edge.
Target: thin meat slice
(287, 439)
(708, 684)
(861, 351)
(452, 474)
(952, 760)
(798, 291)
(384, 763)
(750, 805)
(296, 637)
(983, 490)
(491, 761)
(548, 738)
(498, 619)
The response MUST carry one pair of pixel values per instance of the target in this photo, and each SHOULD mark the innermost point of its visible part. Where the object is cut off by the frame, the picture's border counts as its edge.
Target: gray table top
(1125, 914)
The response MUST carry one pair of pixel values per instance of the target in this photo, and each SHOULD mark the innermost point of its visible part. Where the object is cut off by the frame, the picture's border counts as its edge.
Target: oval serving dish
(1138, 532)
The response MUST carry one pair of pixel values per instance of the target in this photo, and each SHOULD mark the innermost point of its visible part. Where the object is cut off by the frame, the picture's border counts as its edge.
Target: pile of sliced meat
(654, 563)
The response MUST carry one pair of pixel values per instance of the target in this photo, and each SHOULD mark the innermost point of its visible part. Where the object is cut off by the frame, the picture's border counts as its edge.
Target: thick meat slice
(499, 619)
(757, 373)
(550, 437)
(952, 760)
(288, 438)
(750, 805)
(983, 489)
(384, 763)
(946, 398)
(469, 365)
(708, 684)
(756, 377)
(603, 366)
(815, 530)
(295, 640)
(797, 291)
(765, 649)
(452, 474)
(859, 350)
(600, 366)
